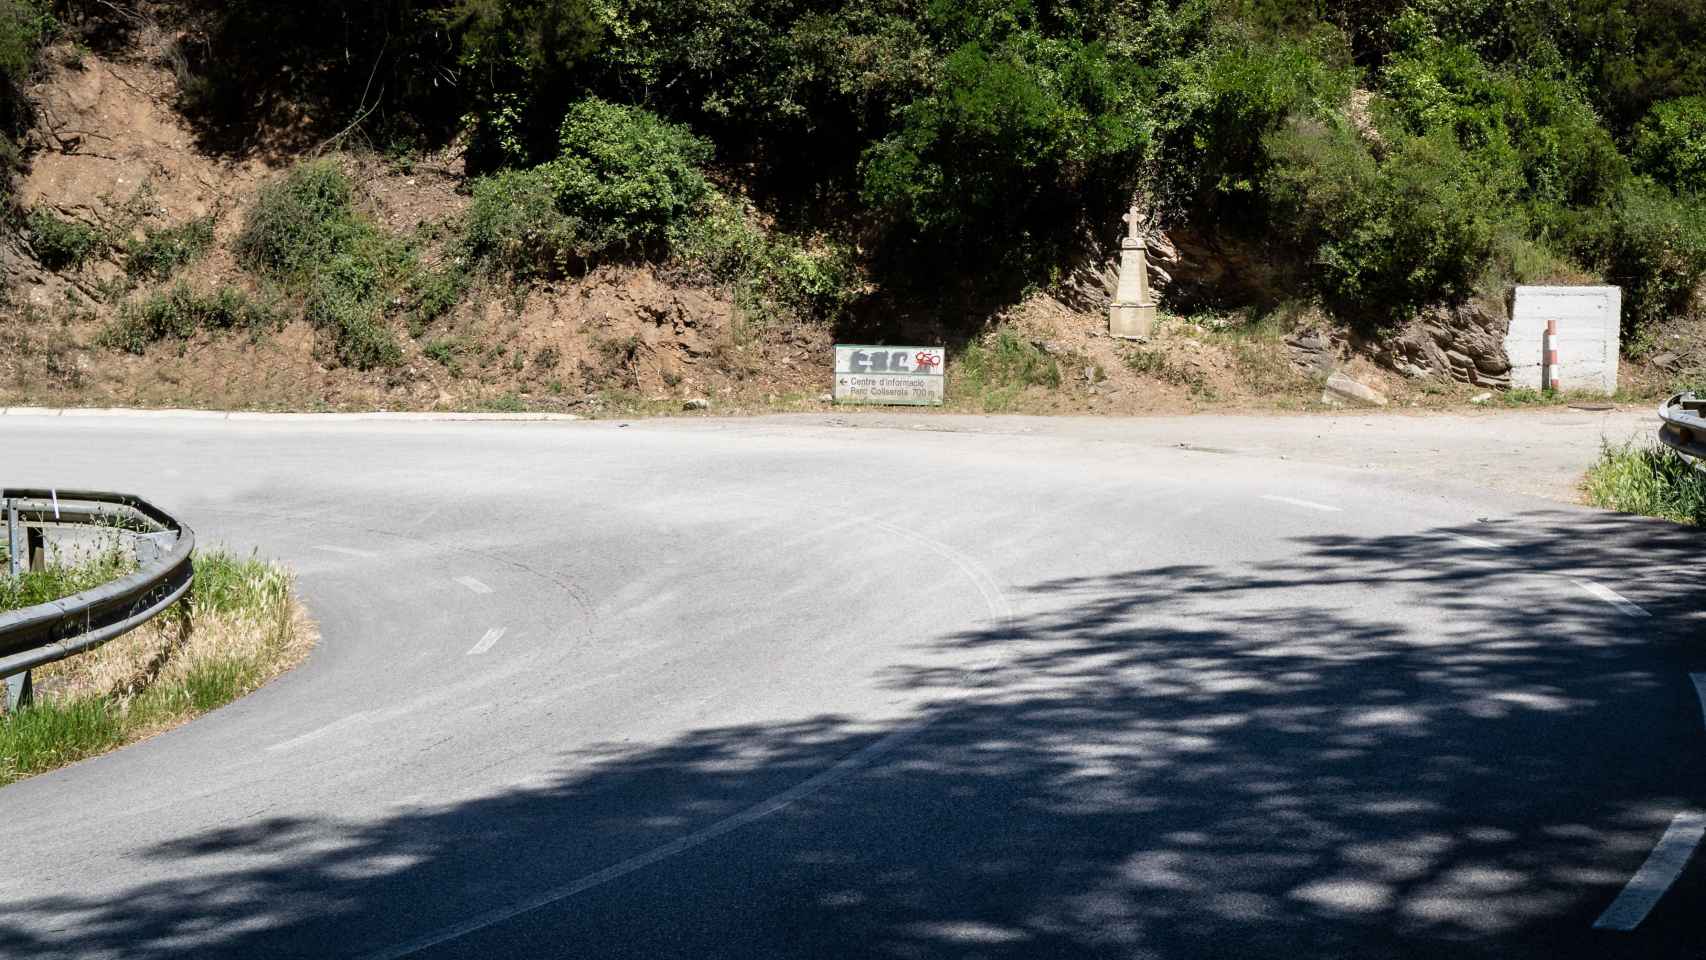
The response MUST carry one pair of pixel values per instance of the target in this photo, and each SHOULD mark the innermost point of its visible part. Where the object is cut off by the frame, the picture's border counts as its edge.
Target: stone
(1463, 343)
(1341, 387)
(1132, 313)
(826, 398)
(697, 403)
(1480, 398)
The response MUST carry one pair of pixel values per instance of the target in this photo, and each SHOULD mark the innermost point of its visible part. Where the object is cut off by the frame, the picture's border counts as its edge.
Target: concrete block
(1588, 330)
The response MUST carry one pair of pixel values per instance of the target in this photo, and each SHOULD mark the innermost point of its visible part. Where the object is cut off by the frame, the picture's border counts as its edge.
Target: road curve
(795, 689)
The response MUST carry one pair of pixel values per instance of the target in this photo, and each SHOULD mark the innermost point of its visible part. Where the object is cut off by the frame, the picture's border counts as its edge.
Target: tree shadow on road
(1181, 761)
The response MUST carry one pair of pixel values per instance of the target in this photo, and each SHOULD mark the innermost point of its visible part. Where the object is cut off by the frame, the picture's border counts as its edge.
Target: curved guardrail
(71, 625)
(1684, 427)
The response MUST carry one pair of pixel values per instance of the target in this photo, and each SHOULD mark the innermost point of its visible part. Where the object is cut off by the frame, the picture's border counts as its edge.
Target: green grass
(62, 580)
(61, 244)
(1649, 480)
(243, 631)
(179, 312)
(992, 374)
(161, 253)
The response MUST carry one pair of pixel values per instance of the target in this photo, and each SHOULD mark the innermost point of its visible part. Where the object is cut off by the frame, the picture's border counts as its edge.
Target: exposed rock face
(1463, 343)
(1090, 286)
(1341, 387)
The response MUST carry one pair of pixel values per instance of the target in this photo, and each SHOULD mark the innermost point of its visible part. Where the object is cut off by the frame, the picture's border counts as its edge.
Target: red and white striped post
(1549, 366)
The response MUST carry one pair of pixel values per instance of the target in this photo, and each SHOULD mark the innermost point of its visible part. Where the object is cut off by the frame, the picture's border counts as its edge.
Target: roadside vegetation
(838, 166)
(1653, 481)
(242, 628)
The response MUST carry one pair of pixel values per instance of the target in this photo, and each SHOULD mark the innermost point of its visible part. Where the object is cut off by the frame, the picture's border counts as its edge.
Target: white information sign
(901, 375)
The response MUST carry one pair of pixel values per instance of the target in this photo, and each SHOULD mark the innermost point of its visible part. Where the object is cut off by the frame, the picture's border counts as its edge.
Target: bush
(180, 312)
(624, 178)
(61, 244)
(1670, 144)
(626, 175)
(304, 231)
(24, 27)
(1387, 236)
(160, 253)
(1650, 242)
(300, 222)
(514, 226)
(772, 274)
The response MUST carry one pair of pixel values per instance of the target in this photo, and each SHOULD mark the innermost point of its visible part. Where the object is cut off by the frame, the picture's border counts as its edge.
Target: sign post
(911, 376)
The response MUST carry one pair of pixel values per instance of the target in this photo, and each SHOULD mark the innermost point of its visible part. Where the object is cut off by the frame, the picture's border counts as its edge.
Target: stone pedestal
(1132, 314)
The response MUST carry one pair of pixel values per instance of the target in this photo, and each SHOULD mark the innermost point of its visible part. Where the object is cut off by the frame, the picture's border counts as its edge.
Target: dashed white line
(1700, 691)
(1475, 542)
(1662, 868)
(1600, 591)
(473, 585)
(492, 636)
(346, 551)
(1306, 504)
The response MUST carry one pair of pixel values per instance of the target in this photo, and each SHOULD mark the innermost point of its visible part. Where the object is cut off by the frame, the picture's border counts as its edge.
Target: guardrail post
(19, 686)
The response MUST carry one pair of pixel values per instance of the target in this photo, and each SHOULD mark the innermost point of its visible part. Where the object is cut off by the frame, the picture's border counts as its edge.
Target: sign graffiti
(899, 375)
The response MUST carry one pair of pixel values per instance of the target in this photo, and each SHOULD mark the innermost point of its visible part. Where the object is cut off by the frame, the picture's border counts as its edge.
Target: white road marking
(1662, 868)
(1602, 592)
(492, 636)
(1475, 542)
(473, 585)
(848, 765)
(347, 551)
(999, 607)
(1700, 691)
(319, 732)
(1306, 504)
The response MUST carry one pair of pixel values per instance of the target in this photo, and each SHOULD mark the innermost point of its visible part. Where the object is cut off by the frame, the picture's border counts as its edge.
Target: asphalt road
(841, 687)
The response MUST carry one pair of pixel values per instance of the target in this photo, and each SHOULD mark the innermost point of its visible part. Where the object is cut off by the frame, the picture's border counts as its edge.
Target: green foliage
(304, 231)
(179, 312)
(1670, 144)
(62, 244)
(992, 373)
(623, 179)
(773, 275)
(24, 27)
(1648, 480)
(160, 253)
(1388, 235)
(626, 175)
(1652, 243)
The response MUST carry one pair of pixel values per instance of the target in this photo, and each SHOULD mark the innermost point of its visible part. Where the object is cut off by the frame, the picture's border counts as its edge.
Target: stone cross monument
(1132, 314)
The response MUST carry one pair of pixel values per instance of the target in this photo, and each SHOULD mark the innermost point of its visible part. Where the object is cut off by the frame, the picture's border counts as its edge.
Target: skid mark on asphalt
(1305, 504)
(999, 607)
(492, 636)
(1662, 868)
(1600, 591)
(473, 585)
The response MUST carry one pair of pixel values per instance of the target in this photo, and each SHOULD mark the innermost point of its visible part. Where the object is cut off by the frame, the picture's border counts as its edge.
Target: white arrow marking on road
(1602, 592)
(1306, 504)
(1662, 868)
(347, 551)
(473, 585)
(492, 636)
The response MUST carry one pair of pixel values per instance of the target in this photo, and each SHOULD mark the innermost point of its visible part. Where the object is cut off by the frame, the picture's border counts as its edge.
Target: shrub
(772, 274)
(62, 244)
(515, 227)
(626, 175)
(1670, 144)
(1651, 243)
(300, 222)
(160, 253)
(1387, 236)
(624, 178)
(304, 230)
(178, 313)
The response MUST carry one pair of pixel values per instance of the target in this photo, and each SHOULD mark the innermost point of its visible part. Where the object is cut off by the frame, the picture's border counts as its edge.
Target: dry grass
(243, 628)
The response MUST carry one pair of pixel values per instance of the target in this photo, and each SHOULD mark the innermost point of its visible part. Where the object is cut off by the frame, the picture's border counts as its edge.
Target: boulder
(1464, 343)
(1342, 387)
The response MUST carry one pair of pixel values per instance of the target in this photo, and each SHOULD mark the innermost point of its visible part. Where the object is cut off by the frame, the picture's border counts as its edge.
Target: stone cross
(1133, 220)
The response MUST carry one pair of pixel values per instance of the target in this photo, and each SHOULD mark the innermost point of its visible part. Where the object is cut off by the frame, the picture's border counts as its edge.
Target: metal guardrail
(1684, 427)
(71, 625)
